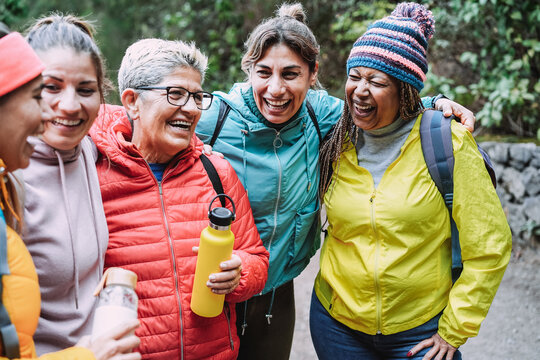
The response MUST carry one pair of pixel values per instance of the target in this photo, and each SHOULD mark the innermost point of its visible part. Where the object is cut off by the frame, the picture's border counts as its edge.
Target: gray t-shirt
(377, 149)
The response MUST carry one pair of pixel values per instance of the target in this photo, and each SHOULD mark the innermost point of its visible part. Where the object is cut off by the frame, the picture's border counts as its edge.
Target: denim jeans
(333, 340)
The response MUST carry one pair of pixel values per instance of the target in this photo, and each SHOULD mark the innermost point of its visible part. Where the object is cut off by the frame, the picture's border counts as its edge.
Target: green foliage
(12, 11)
(485, 53)
(492, 51)
(352, 19)
(218, 31)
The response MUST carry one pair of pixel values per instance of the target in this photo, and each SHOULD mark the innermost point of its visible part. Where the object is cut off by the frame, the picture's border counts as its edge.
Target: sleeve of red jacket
(247, 243)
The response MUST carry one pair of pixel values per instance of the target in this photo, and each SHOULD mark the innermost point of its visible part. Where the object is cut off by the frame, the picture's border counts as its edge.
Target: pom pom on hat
(422, 16)
(397, 44)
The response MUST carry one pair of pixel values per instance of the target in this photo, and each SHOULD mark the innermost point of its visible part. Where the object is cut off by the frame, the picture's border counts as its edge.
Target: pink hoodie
(66, 233)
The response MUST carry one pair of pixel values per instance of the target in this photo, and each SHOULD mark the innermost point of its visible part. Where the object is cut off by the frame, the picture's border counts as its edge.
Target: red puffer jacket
(153, 227)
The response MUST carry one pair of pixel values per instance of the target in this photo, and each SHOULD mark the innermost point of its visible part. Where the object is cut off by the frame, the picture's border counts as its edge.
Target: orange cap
(18, 63)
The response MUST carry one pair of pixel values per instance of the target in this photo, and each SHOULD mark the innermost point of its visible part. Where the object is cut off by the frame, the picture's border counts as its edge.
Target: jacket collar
(112, 134)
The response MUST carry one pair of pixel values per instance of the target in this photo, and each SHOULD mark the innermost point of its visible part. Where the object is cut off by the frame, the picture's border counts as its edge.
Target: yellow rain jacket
(386, 261)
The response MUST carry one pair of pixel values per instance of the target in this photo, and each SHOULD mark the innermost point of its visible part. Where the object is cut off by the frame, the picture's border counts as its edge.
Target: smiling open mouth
(69, 123)
(277, 104)
(184, 125)
(363, 109)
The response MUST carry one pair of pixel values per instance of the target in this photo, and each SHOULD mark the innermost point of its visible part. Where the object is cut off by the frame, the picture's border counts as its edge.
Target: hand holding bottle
(116, 343)
(225, 281)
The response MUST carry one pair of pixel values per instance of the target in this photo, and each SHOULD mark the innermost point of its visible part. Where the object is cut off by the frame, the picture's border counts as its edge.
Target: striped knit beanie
(397, 44)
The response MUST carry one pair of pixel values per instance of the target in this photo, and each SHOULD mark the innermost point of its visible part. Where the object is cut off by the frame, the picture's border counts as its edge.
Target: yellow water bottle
(215, 246)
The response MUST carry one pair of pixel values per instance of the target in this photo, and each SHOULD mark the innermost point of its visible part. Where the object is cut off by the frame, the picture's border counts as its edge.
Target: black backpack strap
(311, 113)
(214, 177)
(436, 140)
(224, 109)
(9, 337)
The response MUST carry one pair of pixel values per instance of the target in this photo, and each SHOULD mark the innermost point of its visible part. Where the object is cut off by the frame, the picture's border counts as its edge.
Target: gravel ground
(511, 330)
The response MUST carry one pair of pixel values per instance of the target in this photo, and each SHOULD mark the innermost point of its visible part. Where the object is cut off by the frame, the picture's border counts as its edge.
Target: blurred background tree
(485, 53)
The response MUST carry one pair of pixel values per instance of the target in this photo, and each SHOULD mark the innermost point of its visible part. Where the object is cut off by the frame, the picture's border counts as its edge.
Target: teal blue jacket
(280, 171)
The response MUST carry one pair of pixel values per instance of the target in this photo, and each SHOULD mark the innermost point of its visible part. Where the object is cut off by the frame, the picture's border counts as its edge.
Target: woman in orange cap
(22, 114)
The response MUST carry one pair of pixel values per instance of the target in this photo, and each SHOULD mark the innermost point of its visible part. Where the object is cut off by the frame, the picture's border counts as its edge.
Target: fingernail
(409, 354)
(223, 264)
(212, 277)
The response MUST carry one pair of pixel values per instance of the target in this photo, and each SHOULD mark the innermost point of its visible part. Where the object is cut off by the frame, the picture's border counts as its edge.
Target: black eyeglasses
(178, 96)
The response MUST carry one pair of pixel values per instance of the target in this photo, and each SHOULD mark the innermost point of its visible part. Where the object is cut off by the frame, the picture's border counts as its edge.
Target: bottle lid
(118, 276)
(121, 276)
(220, 216)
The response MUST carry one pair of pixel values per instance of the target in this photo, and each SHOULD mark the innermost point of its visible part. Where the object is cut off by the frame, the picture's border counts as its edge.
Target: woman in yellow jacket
(384, 290)
(21, 116)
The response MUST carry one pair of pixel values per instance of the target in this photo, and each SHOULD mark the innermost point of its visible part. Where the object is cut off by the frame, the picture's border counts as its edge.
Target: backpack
(9, 337)
(436, 140)
(224, 109)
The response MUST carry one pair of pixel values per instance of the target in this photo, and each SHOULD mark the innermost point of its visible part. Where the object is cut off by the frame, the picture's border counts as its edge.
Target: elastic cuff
(434, 100)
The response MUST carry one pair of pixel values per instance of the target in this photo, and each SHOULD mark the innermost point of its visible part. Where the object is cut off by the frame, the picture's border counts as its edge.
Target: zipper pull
(277, 141)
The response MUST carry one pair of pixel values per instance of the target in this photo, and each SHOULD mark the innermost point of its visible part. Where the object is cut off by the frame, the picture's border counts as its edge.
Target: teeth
(180, 123)
(277, 103)
(363, 107)
(67, 122)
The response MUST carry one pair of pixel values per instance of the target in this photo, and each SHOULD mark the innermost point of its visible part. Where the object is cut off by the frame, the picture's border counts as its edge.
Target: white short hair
(146, 62)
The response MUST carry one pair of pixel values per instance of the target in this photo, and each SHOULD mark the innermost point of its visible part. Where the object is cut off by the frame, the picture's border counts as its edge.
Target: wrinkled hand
(449, 107)
(227, 280)
(440, 349)
(116, 343)
(207, 150)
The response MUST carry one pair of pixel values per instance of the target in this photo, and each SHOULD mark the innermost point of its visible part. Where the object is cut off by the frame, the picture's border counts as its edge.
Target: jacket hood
(49, 155)
(112, 134)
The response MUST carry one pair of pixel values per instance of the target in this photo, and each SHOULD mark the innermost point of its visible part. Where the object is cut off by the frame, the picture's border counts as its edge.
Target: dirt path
(511, 331)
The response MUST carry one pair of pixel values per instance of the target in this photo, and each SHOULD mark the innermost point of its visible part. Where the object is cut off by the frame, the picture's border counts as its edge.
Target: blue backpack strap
(436, 140)
(224, 109)
(313, 118)
(10, 339)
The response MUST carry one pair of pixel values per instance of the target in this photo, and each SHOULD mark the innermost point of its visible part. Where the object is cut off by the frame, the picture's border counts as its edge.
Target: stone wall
(518, 184)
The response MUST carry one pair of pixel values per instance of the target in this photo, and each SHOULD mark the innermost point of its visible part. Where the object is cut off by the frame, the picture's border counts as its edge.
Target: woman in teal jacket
(273, 145)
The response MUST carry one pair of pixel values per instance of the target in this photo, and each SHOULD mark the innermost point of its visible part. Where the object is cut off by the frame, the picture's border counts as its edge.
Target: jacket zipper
(175, 272)
(227, 312)
(277, 144)
(376, 270)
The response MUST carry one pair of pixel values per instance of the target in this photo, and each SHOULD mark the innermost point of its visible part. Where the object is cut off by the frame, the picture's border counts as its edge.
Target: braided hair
(345, 133)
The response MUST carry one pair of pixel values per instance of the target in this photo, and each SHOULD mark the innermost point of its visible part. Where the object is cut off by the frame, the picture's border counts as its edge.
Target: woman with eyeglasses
(156, 194)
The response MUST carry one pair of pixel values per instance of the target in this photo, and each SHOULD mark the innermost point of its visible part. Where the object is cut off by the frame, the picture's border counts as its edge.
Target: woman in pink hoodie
(65, 228)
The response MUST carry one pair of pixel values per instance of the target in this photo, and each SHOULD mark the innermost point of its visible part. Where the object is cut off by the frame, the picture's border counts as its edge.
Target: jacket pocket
(307, 237)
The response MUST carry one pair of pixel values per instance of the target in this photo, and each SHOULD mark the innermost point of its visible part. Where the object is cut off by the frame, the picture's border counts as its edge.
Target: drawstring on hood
(244, 159)
(70, 224)
(306, 151)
